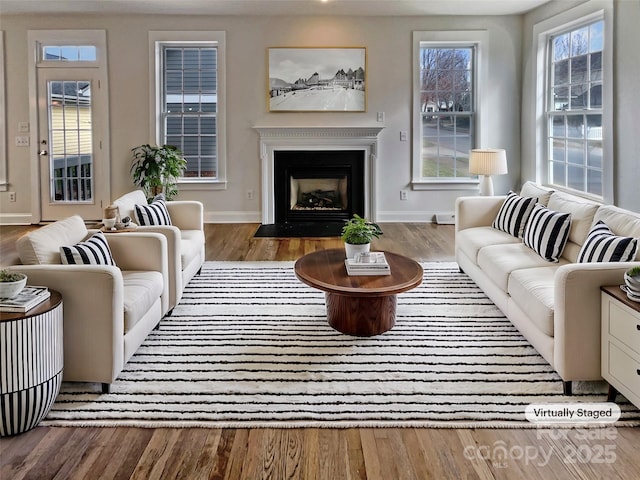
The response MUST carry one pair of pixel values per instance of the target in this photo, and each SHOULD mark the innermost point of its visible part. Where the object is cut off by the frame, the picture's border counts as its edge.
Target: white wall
(388, 43)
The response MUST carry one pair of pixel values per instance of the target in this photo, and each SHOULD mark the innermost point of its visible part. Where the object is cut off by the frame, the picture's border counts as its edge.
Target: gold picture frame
(317, 79)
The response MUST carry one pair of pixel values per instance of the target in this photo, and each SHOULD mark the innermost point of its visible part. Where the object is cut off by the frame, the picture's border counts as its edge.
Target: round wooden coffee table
(358, 305)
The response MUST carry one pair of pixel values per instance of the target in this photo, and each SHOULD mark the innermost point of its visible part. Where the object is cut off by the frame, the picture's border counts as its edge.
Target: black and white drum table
(31, 361)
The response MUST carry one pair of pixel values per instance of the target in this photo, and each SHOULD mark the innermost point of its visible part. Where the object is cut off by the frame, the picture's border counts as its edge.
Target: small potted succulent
(632, 279)
(357, 234)
(11, 283)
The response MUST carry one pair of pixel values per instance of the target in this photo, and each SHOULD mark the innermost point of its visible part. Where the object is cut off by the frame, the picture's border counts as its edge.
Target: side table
(621, 344)
(31, 362)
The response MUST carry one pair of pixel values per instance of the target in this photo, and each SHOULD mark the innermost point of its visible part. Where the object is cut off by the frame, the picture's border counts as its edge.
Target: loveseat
(182, 226)
(554, 304)
(110, 303)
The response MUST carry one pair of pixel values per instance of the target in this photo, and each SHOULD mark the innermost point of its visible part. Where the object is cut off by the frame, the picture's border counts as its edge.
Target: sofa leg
(106, 387)
(460, 269)
(566, 387)
(199, 271)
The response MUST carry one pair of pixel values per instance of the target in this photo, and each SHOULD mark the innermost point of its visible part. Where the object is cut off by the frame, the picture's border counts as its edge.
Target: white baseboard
(409, 217)
(232, 217)
(16, 219)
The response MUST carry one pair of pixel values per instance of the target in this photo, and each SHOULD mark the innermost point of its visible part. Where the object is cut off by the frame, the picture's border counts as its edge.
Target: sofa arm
(93, 305)
(146, 251)
(186, 214)
(477, 211)
(577, 316)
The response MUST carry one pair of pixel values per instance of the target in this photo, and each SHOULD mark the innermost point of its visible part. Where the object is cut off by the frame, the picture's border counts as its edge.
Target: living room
(234, 202)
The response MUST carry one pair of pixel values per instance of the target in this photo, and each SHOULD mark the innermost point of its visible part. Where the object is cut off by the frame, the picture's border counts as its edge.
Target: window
(190, 102)
(575, 109)
(445, 108)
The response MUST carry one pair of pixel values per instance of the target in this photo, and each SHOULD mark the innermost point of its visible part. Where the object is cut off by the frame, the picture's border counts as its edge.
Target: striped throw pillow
(94, 251)
(155, 213)
(546, 232)
(514, 213)
(602, 245)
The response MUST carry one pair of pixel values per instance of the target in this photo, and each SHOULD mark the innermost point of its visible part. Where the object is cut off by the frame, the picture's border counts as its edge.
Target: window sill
(471, 184)
(201, 184)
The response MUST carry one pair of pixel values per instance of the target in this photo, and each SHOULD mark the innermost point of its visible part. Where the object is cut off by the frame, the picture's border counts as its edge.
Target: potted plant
(632, 279)
(157, 169)
(11, 283)
(357, 234)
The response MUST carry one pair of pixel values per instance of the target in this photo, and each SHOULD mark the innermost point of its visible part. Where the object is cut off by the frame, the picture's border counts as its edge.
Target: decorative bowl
(11, 289)
(633, 283)
(109, 223)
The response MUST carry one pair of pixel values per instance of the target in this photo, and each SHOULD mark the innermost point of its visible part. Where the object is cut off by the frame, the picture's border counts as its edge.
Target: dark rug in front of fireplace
(300, 229)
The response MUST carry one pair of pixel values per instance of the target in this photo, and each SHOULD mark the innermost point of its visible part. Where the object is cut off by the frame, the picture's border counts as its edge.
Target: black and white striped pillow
(514, 213)
(94, 251)
(155, 213)
(546, 232)
(602, 245)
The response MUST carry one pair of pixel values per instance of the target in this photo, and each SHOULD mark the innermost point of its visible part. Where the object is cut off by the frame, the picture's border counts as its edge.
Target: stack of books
(373, 264)
(27, 299)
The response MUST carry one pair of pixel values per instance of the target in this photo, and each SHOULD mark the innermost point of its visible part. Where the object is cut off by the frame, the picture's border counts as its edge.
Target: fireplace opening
(318, 185)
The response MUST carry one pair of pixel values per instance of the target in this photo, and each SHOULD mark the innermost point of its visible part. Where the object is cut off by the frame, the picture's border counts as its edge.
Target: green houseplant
(157, 169)
(357, 234)
(11, 283)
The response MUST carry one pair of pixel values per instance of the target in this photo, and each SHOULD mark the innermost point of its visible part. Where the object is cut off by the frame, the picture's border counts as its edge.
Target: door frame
(36, 38)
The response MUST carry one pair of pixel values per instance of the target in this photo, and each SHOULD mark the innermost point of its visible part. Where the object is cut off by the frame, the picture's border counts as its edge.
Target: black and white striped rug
(249, 346)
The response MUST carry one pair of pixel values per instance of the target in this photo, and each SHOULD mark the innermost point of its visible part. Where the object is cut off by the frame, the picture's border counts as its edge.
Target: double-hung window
(445, 107)
(575, 108)
(189, 100)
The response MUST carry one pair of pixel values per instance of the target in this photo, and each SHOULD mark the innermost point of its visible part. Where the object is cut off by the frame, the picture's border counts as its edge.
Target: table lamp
(487, 162)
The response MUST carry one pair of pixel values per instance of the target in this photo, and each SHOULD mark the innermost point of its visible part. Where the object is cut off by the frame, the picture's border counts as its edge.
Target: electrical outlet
(23, 127)
(381, 116)
(12, 196)
(403, 195)
(22, 141)
(250, 194)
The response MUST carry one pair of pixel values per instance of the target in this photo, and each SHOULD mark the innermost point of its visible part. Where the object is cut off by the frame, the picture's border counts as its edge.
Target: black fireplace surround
(323, 169)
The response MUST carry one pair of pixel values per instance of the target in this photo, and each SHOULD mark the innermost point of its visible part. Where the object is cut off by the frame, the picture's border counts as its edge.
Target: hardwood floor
(323, 454)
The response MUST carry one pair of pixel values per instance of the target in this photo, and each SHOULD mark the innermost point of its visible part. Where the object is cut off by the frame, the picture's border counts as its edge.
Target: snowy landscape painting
(329, 79)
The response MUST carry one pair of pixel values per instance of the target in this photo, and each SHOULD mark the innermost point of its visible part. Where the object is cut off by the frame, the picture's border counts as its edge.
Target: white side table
(621, 344)
(31, 361)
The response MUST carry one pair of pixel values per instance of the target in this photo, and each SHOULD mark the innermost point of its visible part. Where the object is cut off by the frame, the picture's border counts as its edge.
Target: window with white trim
(575, 108)
(189, 100)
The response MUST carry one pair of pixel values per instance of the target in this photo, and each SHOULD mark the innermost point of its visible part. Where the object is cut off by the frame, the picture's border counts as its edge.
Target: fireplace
(318, 185)
(363, 140)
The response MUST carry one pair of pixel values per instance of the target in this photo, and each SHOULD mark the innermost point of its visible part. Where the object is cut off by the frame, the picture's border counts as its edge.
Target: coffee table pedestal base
(361, 316)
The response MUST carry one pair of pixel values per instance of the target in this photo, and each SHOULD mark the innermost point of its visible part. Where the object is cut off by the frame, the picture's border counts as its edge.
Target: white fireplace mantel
(273, 139)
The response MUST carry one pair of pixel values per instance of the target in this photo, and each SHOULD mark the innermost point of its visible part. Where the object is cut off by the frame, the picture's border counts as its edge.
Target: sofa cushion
(155, 213)
(620, 221)
(532, 289)
(530, 189)
(513, 214)
(547, 232)
(141, 291)
(42, 246)
(94, 251)
(603, 246)
(582, 212)
(471, 240)
(498, 261)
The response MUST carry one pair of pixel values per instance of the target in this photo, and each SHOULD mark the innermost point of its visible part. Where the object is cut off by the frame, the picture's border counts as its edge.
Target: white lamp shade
(488, 161)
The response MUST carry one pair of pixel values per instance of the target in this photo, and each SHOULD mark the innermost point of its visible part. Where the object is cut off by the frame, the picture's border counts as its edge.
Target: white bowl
(11, 289)
(633, 283)
(109, 222)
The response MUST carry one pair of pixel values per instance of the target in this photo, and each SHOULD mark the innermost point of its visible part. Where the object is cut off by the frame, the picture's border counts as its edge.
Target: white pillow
(602, 245)
(547, 232)
(94, 251)
(155, 213)
(514, 213)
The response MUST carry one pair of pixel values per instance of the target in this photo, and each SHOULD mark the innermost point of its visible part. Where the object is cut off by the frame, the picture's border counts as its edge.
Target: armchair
(185, 238)
(108, 310)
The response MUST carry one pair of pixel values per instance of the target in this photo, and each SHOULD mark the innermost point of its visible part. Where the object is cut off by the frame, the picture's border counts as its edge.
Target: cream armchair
(108, 311)
(185, 238)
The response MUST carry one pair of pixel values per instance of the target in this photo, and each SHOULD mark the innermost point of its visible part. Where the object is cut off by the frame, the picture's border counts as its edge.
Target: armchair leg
(106, 387)
(199, 271)
(460, 269)
(566, 387)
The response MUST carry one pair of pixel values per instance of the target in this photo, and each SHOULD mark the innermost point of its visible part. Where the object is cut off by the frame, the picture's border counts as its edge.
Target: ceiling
(274, 7)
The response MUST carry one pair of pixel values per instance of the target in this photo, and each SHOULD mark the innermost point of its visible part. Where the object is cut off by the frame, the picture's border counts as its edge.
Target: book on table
(373, 264)
(28, 298)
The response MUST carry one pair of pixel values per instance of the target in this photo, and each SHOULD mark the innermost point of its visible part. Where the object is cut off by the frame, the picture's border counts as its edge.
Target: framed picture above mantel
(317, 79)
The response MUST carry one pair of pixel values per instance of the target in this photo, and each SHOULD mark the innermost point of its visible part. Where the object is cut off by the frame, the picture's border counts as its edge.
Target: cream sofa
(556, 306)
(185, 238)
(108, 310)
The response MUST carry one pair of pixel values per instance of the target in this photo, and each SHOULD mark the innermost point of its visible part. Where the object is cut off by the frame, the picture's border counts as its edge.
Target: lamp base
(486, 186)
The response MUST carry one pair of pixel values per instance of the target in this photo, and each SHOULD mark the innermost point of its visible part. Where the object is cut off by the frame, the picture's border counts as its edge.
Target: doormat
(300, 229)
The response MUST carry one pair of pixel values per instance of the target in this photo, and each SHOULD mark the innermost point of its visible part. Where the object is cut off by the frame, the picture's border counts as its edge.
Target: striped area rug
(249, 346)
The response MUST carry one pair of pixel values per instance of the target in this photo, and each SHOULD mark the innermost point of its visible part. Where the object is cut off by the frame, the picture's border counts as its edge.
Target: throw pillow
(546, 232)
(94, 251)
(514, 213)
(602, 245)
(155, 213)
